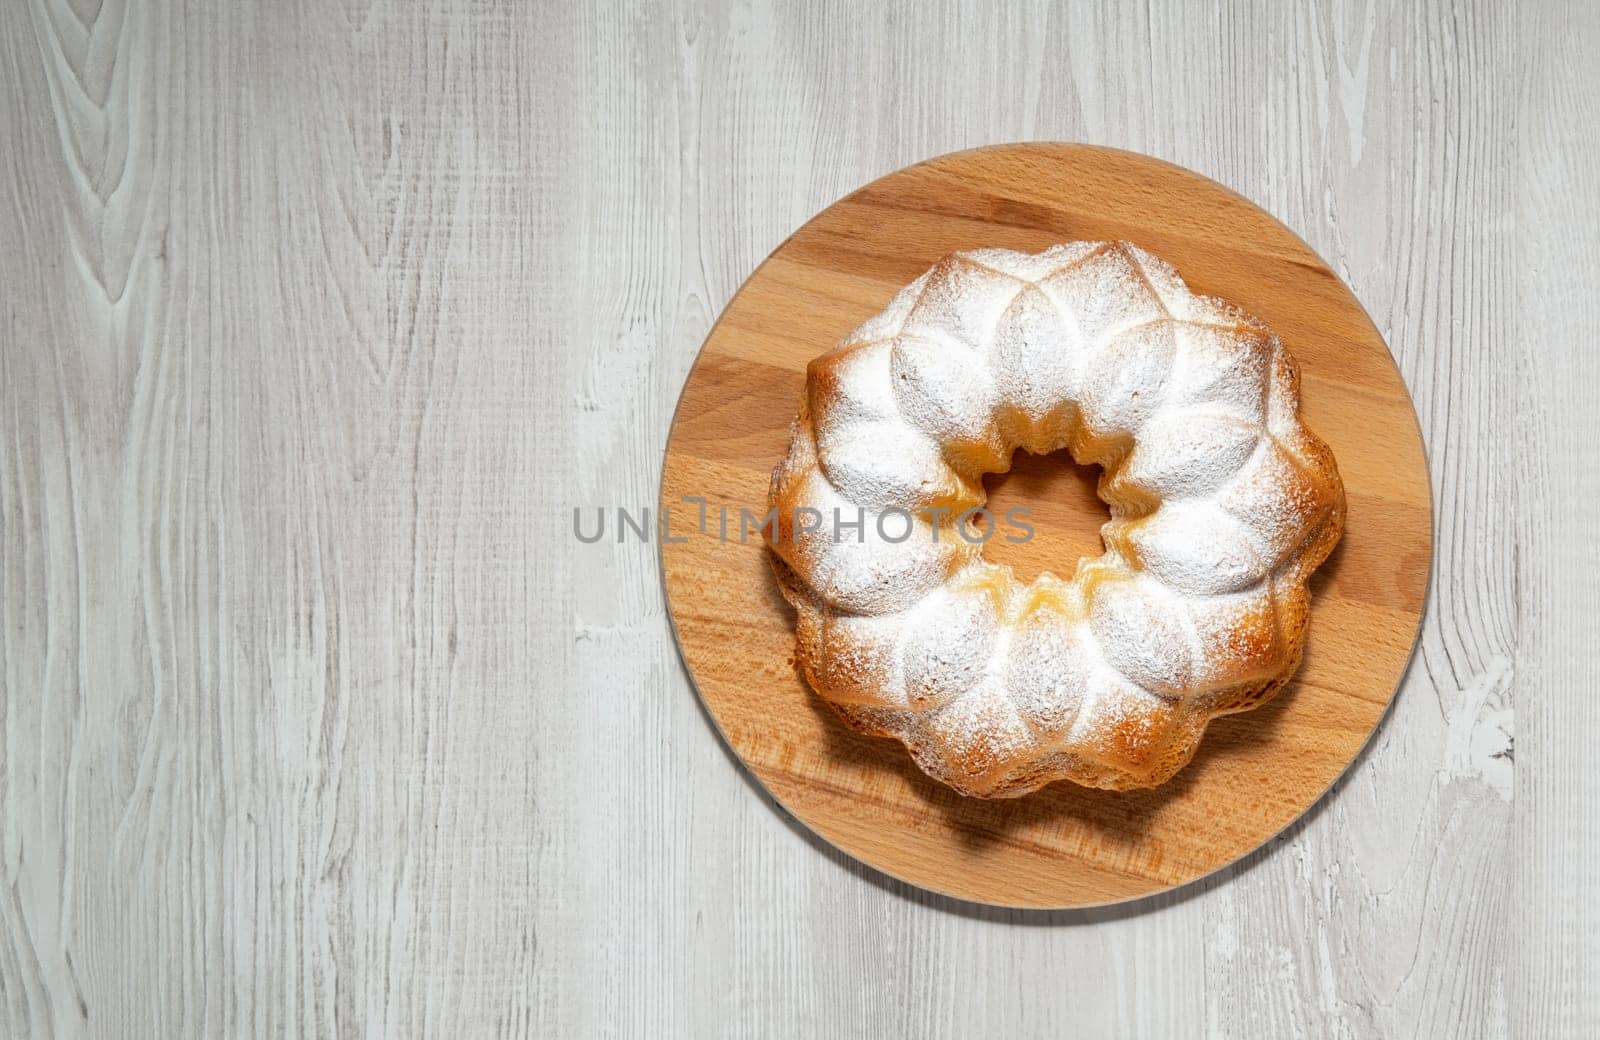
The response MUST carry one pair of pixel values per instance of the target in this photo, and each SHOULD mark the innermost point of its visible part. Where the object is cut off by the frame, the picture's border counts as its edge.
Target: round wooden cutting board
(1063, 846)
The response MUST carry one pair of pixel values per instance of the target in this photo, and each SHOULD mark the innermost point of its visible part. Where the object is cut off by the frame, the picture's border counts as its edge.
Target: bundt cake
(1221, 502)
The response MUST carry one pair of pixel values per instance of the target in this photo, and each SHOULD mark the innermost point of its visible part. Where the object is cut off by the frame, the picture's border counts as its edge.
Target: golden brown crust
(971, 727)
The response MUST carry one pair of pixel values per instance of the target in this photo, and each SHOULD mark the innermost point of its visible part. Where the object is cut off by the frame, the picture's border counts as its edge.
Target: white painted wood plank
(1553, 938)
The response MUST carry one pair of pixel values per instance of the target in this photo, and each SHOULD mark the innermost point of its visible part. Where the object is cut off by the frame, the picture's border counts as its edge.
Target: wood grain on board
(1064, 846)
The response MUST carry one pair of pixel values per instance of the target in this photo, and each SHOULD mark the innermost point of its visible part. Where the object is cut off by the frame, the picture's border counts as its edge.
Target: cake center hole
(1056, 497)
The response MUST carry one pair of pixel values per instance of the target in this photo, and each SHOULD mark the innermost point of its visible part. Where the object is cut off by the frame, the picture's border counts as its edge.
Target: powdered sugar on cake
(1221, 503)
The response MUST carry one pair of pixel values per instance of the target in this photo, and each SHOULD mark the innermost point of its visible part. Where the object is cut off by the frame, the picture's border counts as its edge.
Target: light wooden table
(316, 321)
